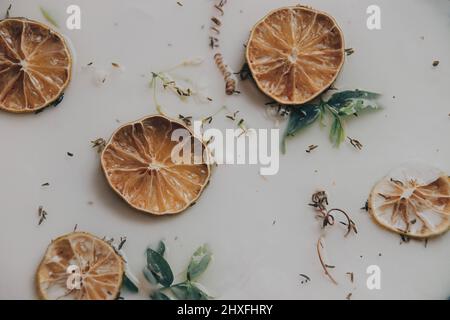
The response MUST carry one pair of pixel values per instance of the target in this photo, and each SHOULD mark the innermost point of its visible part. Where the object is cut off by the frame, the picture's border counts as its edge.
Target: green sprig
(336, 109)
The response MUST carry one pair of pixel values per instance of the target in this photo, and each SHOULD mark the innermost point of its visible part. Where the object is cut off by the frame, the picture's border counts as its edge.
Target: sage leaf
(158, 295)
(159, 268)
(161, 248)
(130, 283)
(339, 98)
(199, 262)
(188, 291)
(151, 278)
(337, 131)
(299, 118)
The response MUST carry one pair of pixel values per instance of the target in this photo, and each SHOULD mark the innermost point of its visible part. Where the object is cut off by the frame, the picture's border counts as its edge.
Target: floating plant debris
(349, 51)
(159, 274)
(99, 144)
(42, 215)
(8, 11)
(48, 17)
(319, 201)
(355, 143)
(186, 120)
(305, 278)
(214, 43)
(338, 107)
(311, 148)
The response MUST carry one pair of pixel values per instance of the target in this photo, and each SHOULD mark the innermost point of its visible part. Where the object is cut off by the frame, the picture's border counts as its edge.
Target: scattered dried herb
(99, 144)
(233, 116)
(58, 101)
(349, 296)
(70, 154)
(352, 276)
(305, 278)
(366, 206)
(46, 184)
(245, 73)
(325, 267)
(115, 65)
(122, 242)
(48, 17)
(435, 63)
(90, 64)
(349, 51)
(355, 143)
(311, 148)
(42, 215)
(186, 120)
(8, 11)
(339, 106)
(179, 3)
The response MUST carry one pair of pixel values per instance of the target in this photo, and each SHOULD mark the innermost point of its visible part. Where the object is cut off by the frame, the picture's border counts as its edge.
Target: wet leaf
(158, 295)
(188, 291)
(130, 284)
(161, 248)
(299, 118)
(149, 276)
(348, 102)
(159, 268)
(199, 262)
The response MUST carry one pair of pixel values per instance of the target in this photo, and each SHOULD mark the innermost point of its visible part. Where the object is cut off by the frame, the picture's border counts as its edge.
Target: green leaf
(158, 295)
(130, 284)
(188, 291)
(340, 98)
(337, 131)
(199, 262)
(354, 106)
(299, 118)
(151, 278)
(159, 268)
(161, 248)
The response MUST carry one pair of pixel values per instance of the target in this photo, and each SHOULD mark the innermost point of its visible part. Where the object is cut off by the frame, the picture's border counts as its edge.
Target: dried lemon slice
(295, 53)
(413, 200)
(139, 166)
(35, 65)
(79, 266)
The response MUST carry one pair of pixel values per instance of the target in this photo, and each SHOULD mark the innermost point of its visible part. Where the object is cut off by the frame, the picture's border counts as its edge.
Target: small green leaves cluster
(160, 275)
(337, 108)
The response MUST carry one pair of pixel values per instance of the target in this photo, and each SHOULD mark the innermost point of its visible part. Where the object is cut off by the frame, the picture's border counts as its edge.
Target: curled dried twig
(325, 266)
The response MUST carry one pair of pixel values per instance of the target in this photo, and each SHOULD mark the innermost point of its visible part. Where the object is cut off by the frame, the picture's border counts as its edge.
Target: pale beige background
(253, 257)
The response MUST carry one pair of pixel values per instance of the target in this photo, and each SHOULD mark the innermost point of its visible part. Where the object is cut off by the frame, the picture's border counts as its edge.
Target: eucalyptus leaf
(188, 291)
(199, 262)
(158, 295)
(159, 268)
(130, 284)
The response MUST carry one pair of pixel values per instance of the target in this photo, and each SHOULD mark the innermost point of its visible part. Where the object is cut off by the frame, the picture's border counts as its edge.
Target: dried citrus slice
(139, 166)
(295, 53)
(413, 200)
(79, 266)
(35, 65)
